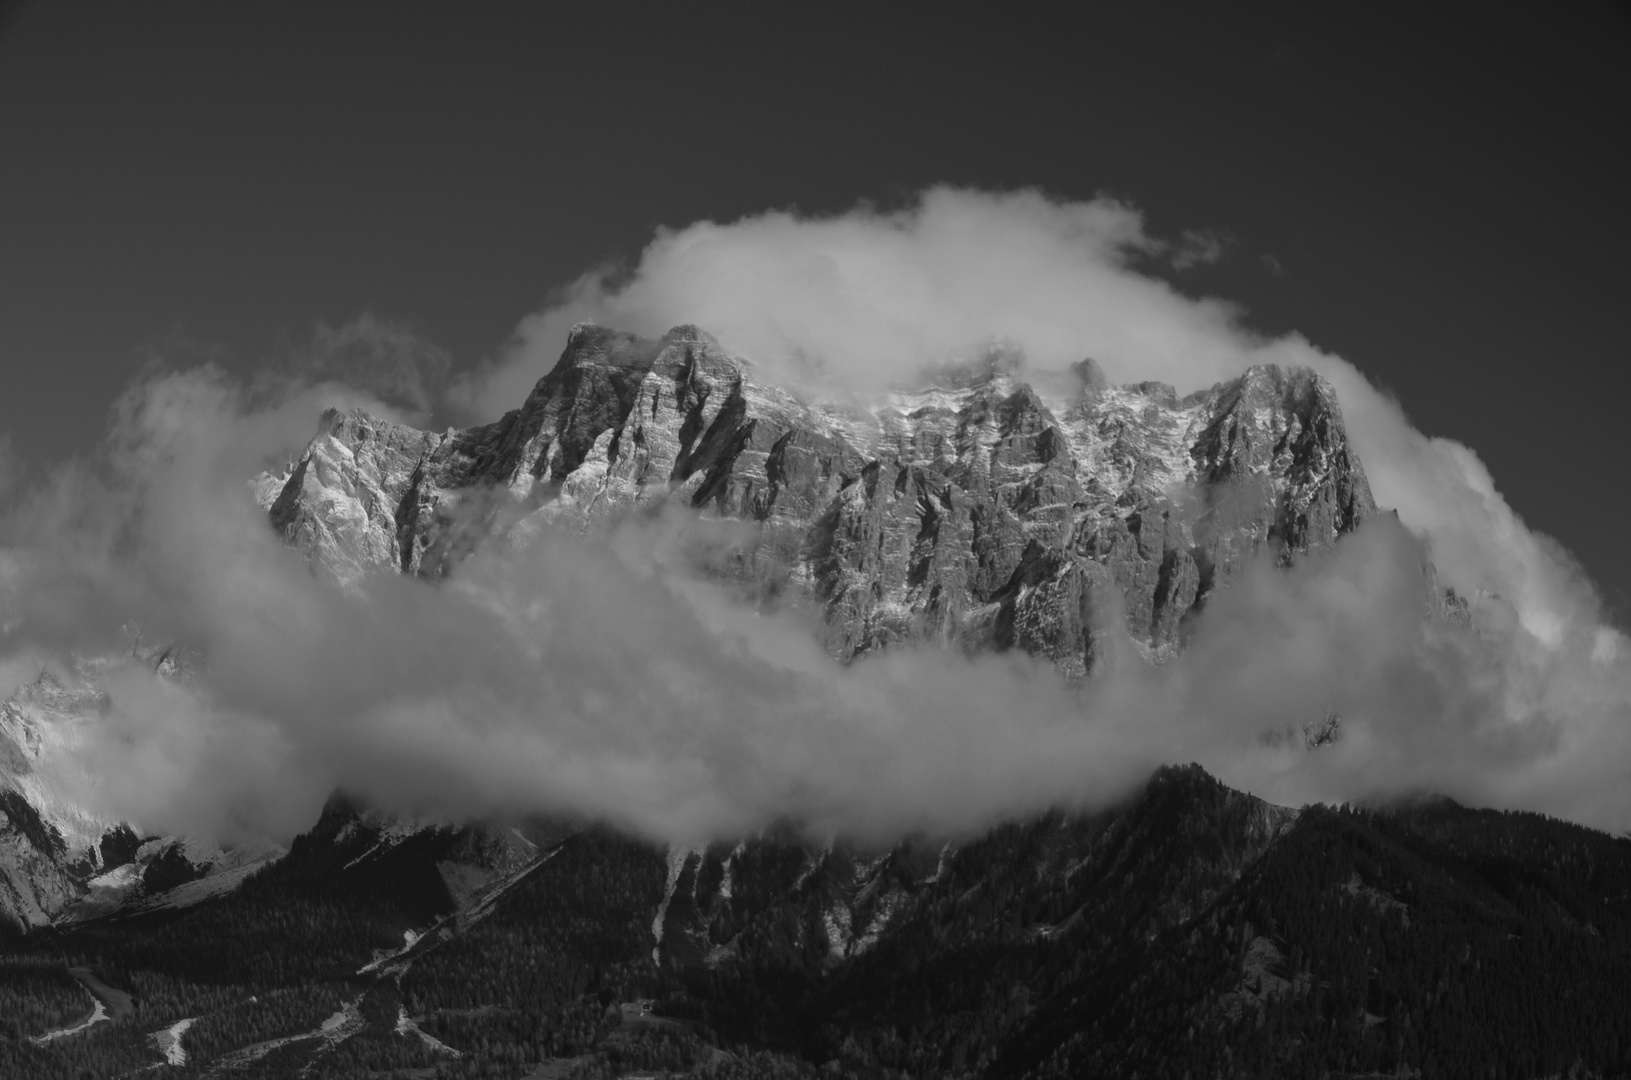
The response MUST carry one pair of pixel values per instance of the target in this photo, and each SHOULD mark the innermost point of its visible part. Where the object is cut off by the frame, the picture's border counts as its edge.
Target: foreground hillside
(1192, 929)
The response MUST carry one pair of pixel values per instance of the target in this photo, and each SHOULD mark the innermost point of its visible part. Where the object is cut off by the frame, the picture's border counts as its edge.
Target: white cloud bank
(866, 299)
(612, 679)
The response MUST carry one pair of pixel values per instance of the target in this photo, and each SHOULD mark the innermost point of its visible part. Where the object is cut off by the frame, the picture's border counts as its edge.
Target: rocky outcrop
(170, 867)
(61, 862)
(48, 845)
(975, 512)
(33, 882)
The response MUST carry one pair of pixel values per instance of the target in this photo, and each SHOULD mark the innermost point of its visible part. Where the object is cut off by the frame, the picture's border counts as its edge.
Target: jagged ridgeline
(974, 511)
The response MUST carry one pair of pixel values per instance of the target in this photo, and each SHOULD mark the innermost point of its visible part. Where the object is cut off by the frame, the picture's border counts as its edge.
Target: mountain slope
(970, 511)
(1431, 938)
(1190, 928)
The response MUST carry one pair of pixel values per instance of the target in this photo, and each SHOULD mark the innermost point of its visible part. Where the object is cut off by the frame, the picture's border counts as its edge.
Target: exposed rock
(59, 861)
(972, 512)
(118, 847)
(33, 883)
(170, 867)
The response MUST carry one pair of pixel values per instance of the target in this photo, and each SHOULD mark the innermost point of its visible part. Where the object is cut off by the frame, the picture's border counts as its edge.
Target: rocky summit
(973, 511)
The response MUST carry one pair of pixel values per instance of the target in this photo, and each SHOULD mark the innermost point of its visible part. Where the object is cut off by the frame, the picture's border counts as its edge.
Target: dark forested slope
(1191, 929)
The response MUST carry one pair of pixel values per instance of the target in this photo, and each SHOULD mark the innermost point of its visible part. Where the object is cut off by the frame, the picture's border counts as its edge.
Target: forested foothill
(1192, 931)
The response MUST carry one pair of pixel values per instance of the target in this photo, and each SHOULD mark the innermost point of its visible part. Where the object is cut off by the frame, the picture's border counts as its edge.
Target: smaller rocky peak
(349, 426)
(1163, 394)
(1282, 424)
(1295, 390)
(1091, 375)
(585, 331)
(590, 345)
(690, 334)
(355, 428)
(599, 368)
(170, 867)
(1191, 779)
(697, 368)
(1024, 409)
(1266, 397)
(1310, 395)
(332, 419)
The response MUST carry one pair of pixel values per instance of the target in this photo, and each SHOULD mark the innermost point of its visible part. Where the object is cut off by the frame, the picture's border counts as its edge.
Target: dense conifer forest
(1191, 931)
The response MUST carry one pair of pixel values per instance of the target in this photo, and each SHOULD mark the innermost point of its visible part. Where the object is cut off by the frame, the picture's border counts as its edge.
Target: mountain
(1189, 930)
(973, 511)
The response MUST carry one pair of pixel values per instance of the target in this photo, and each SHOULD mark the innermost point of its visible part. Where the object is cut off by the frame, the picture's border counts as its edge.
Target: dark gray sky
(1436, 193)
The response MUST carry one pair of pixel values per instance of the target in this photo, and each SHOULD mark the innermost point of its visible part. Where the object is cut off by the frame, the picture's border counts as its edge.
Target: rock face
(58, 861)
(48, 846)
(33, 883)
(973, 512)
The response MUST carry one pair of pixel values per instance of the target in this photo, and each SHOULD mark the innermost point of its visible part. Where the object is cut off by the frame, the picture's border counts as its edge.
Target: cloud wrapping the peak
(864, 300)
(867, 299)
(614, 676)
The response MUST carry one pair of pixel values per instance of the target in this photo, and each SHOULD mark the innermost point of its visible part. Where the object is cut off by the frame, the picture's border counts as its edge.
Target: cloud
(1197, 247)
(600, 678)
(615, 676)
(867, 299)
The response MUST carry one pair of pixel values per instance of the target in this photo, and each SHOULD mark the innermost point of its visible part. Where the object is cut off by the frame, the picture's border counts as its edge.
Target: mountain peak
(973, 511)
(1091, 374)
